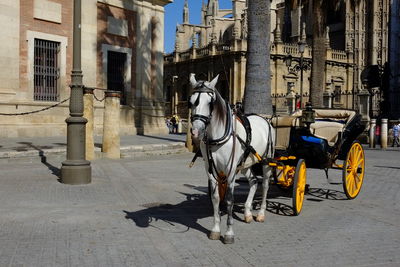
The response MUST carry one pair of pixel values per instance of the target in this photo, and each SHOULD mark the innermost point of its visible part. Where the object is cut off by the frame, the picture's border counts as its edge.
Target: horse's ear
(214, 82)
(192, 79)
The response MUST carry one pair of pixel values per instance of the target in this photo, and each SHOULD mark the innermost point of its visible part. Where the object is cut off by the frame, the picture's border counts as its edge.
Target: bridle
(202, 88)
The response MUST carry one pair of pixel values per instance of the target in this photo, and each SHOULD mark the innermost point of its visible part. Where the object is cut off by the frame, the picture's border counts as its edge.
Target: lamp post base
(74, 174)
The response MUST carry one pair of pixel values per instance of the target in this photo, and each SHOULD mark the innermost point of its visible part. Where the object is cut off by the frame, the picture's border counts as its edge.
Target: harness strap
(228, 129)
(248, 148)
(196, 155)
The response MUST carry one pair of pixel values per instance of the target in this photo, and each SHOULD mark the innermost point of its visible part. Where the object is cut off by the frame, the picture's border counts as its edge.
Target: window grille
(46, 70)
(116, 73)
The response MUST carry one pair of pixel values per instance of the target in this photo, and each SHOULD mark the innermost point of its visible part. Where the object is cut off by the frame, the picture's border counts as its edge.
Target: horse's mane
(219, 103)
(219, 107)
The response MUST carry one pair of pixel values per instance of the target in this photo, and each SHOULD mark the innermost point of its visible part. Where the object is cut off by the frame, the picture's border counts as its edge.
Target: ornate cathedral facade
(357, 37)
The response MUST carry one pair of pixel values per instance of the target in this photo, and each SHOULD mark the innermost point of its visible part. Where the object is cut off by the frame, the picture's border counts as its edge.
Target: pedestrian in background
(169, 125)
(396, 130)
(377, 133)
(174, 124)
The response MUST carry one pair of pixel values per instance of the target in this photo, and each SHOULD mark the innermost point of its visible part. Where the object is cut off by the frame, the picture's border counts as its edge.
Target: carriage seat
(328, 130)
(329, 123)
(282, 125)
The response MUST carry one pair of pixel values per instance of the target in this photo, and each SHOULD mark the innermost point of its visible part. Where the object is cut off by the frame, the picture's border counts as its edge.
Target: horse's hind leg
(248, 216)
(215, 233)
(229, 234)
(267, 172)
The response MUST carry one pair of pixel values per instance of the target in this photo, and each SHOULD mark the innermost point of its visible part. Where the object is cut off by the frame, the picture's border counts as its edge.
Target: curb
(131, 151)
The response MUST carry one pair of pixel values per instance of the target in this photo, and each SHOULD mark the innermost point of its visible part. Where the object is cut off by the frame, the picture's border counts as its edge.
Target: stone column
(180, 126)
(111, 139)
(88, 113)
(372, 133)
(327, 99)
(384, 133)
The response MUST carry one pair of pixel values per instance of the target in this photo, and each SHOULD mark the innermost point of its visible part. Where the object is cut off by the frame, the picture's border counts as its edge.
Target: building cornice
(159, 2)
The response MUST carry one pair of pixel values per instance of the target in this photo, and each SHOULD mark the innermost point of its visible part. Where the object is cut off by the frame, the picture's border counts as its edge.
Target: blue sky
(173, 15)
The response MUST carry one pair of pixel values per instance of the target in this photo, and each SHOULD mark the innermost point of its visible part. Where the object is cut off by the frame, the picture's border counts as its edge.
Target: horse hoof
(229, 239)
(248, 218)
(214, 235)
(260, 218)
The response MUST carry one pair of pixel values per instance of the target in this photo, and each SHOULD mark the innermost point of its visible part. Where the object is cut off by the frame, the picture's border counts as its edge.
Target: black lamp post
(76, 170)
(301, 66)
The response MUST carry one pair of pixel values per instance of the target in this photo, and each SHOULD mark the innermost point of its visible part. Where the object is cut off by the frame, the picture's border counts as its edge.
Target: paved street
(154, 212)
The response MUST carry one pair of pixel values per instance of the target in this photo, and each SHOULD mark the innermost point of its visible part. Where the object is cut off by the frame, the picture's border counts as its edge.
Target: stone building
(394, 59)
(122, 49)
(358, 37)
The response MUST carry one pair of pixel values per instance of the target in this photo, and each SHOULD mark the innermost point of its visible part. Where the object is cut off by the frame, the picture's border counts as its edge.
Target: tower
(186, 13)
(212, 8)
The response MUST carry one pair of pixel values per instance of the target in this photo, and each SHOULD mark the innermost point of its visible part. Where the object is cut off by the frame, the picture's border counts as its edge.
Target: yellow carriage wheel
(353, 170)
(299, 186)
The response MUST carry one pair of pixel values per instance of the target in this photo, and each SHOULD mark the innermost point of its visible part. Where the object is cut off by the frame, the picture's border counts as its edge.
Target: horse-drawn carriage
(279, 147)
(318, 139)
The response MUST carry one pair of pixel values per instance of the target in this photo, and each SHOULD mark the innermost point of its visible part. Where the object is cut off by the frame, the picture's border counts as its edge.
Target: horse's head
(201, 102)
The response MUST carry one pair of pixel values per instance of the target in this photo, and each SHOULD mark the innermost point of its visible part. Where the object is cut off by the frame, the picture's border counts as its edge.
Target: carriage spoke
(350, 180)
(360, 162)
(355, 185)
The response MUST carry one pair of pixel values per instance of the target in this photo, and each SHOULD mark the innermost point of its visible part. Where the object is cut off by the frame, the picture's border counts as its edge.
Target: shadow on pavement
(54, 170)
(326, 194)
(186, 213)
(388, 167)
(60, 144)
(166, 138)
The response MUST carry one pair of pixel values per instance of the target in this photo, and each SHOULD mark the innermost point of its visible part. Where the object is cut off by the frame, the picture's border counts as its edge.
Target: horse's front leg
(267, 172)
(248, 216)
(215, 233)
(229, 234)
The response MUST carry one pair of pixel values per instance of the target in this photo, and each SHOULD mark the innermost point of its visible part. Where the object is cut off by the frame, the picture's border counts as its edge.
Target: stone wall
(134, 27)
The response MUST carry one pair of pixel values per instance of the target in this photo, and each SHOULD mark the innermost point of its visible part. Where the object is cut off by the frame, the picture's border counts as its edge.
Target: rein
(221, 177)
(228, 130)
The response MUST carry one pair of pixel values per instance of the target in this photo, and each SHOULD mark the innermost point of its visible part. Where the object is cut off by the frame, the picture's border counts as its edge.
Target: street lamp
(301, 66)
(76, 170)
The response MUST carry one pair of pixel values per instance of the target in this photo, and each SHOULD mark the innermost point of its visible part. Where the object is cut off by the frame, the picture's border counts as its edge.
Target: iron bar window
(46, 70)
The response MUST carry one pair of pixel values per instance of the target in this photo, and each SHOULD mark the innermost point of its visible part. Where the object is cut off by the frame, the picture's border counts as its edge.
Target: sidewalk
(131, 146)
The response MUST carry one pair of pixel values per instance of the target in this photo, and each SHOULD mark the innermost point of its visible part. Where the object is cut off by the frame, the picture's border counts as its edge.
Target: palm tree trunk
(318, 53)
(258, 74)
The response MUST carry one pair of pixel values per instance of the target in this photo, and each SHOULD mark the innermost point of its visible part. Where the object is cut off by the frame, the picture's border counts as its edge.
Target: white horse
(223, 144)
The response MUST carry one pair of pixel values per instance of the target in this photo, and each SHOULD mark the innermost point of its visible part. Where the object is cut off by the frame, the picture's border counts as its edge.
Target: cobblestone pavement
(155, 212)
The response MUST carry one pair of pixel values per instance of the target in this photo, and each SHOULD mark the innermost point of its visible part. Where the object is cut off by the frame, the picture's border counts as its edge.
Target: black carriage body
(317, 151)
